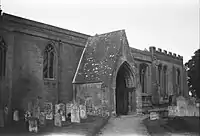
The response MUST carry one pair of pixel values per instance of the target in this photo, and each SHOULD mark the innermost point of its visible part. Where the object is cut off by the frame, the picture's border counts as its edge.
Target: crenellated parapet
(153, 50)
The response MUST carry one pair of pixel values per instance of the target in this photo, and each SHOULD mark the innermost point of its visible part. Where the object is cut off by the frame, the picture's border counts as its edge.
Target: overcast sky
(172, 25)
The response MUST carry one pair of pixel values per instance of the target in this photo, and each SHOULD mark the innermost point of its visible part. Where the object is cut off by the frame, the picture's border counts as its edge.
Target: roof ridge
(103, 34)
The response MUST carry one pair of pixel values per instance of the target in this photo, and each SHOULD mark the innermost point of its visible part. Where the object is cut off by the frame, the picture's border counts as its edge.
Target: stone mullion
(48, 64)
(58, 74)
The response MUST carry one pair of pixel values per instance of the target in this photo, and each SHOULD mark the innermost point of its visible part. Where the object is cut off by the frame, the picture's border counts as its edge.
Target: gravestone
(57, 107)
(197, 112)
(48, 108)
(154, 116)
(33, 125)
(190, 111)
(83, 114)
(173, 100)
(58, 120)
(191, 101)
(170, 100)
(16, 115)
(68, 109)
(172, 111)
(36, 111)
(75, 113)
(181, 106)
(27, 115)
(62, 111)
(42, 118)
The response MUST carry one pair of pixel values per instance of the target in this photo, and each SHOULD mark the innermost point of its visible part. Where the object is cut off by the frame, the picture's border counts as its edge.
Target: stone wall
(152, 59)
(138, 100)
(26, 41)
(6, 84)
(184, 107)
(94, 97)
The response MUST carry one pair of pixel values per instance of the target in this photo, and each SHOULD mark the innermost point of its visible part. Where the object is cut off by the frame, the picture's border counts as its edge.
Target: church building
(59, 65)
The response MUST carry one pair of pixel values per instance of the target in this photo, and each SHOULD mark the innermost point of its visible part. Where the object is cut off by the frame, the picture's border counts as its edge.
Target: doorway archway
(124, 90)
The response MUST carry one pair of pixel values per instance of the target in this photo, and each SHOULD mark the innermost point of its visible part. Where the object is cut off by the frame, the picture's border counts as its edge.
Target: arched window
(143, 71)
(178, 76)
(49, 62)
(159, 73)
(3, 50)
(165, 79)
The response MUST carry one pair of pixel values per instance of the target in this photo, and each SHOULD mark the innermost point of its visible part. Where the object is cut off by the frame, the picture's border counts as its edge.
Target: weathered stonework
(26, 41)
(82, 63)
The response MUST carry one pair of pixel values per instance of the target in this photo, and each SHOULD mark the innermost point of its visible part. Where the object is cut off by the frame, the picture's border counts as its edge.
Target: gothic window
(142, 76)
(2, 58)
(159, 73)
(178, 77)
(49, 62)
(165, 79)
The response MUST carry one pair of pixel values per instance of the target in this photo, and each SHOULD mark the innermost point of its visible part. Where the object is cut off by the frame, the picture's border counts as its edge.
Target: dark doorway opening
(124, 87)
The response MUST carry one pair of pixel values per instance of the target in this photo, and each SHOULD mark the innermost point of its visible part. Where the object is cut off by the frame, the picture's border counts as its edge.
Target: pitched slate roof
(99, 56)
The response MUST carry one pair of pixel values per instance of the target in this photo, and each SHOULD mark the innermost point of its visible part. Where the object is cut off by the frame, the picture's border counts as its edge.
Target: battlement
(153, 49)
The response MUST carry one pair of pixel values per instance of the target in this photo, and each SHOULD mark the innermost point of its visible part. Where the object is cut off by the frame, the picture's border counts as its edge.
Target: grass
(89, 127)
(184, 124)
(173, 125)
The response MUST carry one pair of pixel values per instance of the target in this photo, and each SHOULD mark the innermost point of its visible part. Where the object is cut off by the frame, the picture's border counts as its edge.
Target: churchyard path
(130, 125)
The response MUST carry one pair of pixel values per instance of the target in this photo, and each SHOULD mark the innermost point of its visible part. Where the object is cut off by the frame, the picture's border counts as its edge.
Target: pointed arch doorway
(125, 92)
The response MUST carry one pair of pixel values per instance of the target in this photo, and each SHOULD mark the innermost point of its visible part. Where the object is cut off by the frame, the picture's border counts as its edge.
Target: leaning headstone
(75, 115)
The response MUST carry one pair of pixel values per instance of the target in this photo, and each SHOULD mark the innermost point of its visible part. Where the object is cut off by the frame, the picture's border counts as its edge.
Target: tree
(193, 78)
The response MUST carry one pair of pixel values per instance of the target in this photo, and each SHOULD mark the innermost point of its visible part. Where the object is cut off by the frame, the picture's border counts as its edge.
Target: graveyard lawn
(177, 125)
(87, 127)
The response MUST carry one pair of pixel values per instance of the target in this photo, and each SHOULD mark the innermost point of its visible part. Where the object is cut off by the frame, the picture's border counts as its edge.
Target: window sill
(49, 79)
